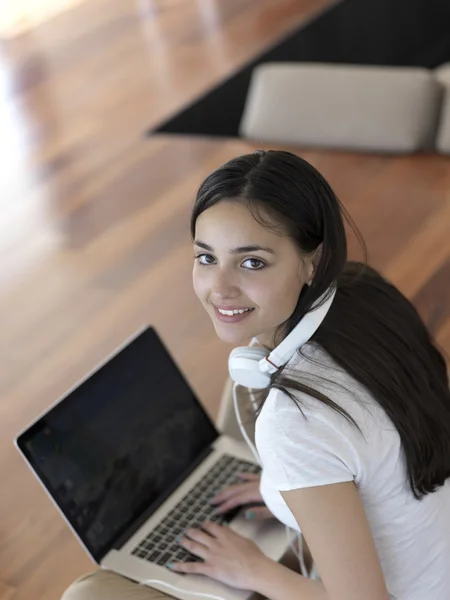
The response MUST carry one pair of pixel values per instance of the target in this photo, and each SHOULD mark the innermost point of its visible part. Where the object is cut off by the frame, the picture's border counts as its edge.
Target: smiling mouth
(231, 312)
(232, 316)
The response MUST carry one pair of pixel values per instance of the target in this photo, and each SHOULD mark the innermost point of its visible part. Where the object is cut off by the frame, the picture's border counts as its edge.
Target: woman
(354, 434)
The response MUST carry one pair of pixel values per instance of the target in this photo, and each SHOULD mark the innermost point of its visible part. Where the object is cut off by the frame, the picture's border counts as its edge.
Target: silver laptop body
(130, 458)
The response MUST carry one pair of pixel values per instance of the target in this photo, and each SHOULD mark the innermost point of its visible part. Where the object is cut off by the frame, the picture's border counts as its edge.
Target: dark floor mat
(376, 32)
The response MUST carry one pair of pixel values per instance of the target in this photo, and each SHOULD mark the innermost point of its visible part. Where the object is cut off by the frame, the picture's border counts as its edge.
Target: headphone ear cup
(243, 366)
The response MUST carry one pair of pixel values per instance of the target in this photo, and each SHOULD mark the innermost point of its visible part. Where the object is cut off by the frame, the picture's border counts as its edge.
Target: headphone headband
(302, 332)
(252, 367)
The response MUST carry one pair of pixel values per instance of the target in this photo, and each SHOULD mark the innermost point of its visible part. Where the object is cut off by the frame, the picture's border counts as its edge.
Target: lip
(232, 318)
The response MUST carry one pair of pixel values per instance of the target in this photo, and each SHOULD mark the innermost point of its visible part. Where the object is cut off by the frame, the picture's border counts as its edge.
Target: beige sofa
(364, 108)
(443, 134)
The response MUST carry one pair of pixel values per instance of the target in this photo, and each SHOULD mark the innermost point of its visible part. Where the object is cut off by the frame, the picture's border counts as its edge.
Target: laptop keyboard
(161, 546)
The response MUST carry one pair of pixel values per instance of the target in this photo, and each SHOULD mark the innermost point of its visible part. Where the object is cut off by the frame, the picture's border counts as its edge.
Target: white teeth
(230, 313)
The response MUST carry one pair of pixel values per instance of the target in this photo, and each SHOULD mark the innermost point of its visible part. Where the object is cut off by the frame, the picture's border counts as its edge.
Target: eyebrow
(239, 250)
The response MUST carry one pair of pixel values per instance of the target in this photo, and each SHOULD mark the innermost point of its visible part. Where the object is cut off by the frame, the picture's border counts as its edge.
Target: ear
(317, 256)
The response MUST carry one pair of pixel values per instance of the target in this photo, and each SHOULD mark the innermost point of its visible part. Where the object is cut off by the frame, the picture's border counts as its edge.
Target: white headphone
(252, 367)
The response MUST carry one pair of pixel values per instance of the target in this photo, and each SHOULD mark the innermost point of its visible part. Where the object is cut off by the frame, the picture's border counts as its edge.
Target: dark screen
(118, 442)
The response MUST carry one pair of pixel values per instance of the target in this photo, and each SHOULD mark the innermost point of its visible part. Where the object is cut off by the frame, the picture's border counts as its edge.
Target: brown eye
(255, 264)
(206, 258)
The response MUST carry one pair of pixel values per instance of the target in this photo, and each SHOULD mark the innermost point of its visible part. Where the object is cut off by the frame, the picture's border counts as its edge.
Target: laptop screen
(117, 443)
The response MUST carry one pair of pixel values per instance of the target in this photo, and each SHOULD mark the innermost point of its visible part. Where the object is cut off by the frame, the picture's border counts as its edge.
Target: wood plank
(6, 591)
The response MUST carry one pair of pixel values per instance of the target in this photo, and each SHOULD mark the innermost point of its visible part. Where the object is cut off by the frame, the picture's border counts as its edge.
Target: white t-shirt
(412, 537)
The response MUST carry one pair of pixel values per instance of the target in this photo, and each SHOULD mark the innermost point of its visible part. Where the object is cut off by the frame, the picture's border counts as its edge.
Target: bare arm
(334, 523)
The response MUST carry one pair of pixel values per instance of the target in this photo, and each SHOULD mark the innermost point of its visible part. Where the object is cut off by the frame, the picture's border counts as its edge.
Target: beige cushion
(387, 109)
(443, 134)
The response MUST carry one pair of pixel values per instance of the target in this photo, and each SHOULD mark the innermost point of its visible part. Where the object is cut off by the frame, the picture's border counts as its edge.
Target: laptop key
(153, 556)
(165, 558)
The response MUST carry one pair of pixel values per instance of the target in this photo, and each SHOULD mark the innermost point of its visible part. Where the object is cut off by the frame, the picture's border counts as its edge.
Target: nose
(224, 285)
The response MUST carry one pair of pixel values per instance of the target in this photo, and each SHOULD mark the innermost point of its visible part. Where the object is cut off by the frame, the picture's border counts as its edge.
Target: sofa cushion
(381, 109)
(443, 134)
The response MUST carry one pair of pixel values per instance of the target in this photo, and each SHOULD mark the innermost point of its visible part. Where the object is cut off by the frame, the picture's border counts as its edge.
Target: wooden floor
(94, 220)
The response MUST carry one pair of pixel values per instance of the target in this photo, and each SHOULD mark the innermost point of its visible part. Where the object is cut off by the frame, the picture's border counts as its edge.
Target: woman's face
(241, 265)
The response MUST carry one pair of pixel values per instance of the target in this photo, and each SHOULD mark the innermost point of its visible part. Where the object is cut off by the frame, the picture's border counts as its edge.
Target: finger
(213, 529)
(243, 500)
(235, 487)
(199, 536)
(229, 491)
(241, 494)
(198, 568)
(219, 532)
(195, 548)
(249, 476)
(258, 513)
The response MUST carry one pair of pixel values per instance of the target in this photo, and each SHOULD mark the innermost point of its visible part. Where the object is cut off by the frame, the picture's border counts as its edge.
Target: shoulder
(313, 368)
(302, 441)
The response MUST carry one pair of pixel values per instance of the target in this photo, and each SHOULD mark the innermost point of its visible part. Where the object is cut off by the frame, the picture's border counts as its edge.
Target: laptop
(131, 459)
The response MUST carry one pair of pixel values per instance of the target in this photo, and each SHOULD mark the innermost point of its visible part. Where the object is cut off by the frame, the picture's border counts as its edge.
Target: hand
(241, 494)
(227, 556)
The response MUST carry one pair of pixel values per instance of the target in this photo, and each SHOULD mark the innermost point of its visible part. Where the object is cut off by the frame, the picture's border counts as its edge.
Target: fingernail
(169, 565)
(180, 535)
(249, 515)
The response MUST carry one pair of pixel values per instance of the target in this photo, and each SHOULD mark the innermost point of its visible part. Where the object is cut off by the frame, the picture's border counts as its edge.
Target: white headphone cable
(241, 425)
(300, 554)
